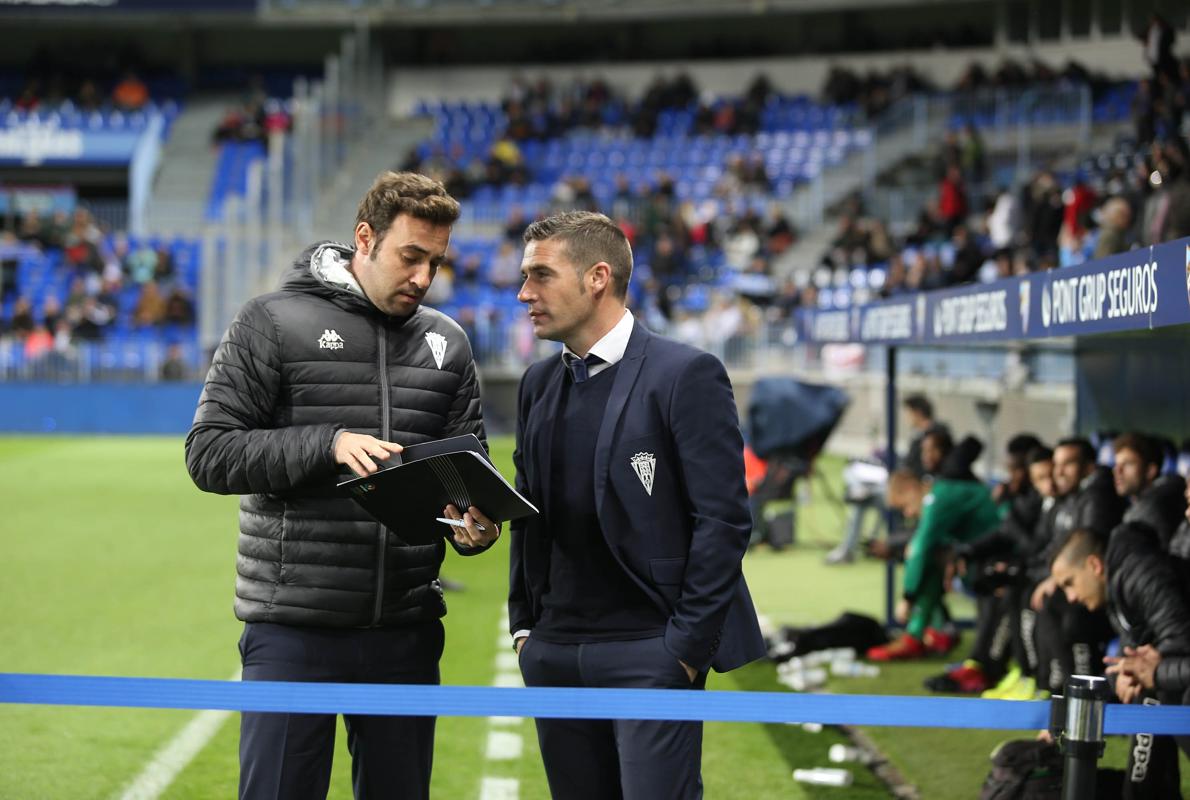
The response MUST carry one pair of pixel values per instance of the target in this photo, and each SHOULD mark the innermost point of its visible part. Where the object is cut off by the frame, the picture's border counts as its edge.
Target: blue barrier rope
(475, 701)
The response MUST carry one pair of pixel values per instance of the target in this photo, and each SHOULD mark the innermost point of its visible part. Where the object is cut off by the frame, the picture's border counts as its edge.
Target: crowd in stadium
(108, 283)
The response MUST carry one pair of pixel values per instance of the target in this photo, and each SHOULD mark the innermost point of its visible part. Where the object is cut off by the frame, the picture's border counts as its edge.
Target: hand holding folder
(409, 497)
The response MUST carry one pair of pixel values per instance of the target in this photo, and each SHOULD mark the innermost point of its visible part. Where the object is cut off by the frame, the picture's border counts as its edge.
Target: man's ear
(363, 239)
(1152, 472)
(1095, 562)
(599, 277)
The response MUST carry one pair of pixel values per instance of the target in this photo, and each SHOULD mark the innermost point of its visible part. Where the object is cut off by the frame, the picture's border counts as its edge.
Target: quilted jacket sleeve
(233, 446)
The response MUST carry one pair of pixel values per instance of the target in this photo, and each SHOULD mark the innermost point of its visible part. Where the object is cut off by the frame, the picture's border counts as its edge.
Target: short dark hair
(1022, 444)
(394, 193)
(919, 403)
(1079, 544)
(1146, 447)
(589, 238)
(1086, 451)
(943, 438)
(1038, 455)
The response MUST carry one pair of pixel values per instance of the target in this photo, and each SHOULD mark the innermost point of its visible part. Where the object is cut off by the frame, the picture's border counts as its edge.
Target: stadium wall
(1117, 56)
(160, 408)
(168, 409)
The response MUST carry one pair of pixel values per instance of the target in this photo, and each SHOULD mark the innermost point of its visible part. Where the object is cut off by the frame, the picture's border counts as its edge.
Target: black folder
(410, 495)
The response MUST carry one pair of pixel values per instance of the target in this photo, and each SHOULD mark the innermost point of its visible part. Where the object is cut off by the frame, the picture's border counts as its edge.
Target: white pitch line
(507, 661)
(500, 789)
(509, 680)
(507, 722)
(179, 751)
(504, 746)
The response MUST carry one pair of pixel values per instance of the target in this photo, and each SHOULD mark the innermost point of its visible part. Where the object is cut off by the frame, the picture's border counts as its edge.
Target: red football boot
(903, 649)
(940, 642)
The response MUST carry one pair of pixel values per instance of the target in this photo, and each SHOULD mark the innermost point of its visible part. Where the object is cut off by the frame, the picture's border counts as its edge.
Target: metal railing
(262, 228)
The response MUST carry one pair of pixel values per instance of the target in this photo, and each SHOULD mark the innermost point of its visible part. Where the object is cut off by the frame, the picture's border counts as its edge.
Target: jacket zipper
(385, 433)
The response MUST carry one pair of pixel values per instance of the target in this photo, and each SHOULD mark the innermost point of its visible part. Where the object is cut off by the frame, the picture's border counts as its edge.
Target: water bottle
(806, 679)
(823, 776)
(854, 669)
(812, 727)
(841, 753)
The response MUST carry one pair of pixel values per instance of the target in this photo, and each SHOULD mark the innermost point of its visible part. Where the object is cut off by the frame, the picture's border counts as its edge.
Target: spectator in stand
(22, 322)
(1115, 223)
(505, 269)
(174, 367)
(39, 343)
(150, 306)
(1167, 210)
(88, 97)
(968, 257)
(972, 155)
(179, 309)
(51, 311)
(131, 93)
(952, 198)
(1158, 41)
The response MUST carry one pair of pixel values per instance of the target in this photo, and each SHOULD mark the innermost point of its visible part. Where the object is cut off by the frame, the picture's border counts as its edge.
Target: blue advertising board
(1139, 290)
(36, 143)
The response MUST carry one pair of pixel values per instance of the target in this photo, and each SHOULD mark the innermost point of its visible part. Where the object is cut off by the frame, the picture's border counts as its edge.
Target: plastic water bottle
(854, 669)
(841, 753)
(812, 727)
(803, 680)
(823, 776)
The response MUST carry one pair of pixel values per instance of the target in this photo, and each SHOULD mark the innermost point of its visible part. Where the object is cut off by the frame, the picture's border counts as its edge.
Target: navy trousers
(604, 759)
(289, 755)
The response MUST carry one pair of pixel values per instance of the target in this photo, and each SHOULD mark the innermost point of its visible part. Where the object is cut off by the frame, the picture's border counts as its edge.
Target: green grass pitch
(114, 564)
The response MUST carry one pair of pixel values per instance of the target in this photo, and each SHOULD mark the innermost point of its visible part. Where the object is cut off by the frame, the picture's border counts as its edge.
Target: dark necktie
(580, 368)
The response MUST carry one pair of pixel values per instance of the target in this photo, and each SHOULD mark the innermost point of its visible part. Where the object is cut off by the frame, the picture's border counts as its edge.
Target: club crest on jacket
(437, 343)
(644, 464)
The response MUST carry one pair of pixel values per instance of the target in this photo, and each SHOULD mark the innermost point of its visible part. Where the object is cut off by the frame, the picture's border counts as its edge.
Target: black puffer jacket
(1094, 505)
(295, 367)
(1149, 601)
(1162, 506)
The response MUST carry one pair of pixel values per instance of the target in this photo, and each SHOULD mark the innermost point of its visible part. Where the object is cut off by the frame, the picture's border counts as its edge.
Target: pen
(458, 523)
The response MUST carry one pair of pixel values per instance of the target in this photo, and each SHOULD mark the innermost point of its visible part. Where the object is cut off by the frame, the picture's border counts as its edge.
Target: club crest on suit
(645, 464)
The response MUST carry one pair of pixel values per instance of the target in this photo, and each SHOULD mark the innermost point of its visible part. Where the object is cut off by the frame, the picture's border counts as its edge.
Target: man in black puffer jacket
(1155, 500)
(1071, 638)
(310, 384)
(1145, 594)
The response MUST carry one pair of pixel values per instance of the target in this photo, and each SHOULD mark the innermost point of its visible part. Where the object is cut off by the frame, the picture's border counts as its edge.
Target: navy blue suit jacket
(681, 542)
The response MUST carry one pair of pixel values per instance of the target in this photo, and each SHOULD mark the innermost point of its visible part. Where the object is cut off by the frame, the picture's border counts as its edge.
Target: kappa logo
(437, 343)
(645, 466)
(330, 340)
(1045, 305)
(1024, 306)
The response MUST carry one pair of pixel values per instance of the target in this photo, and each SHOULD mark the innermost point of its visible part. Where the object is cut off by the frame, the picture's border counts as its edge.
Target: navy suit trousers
(605, 759)
(289, 755)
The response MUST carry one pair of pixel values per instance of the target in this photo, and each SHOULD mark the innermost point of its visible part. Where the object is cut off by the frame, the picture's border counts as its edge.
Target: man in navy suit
(630, 576)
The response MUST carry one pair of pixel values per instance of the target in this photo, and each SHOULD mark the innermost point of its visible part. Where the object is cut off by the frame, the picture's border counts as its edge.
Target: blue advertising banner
(35, 143)
(1139, 290)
